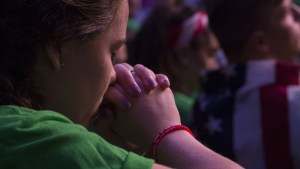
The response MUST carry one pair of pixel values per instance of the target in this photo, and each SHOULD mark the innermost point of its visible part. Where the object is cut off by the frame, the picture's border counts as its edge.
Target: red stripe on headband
(173, 36)
(203, 23)
(183, 34)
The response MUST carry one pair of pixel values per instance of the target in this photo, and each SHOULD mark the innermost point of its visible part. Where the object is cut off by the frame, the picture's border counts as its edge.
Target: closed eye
(113, 57)
(115, 47)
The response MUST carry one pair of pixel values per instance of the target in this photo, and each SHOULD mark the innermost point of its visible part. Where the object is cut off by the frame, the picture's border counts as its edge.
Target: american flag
(251, 113)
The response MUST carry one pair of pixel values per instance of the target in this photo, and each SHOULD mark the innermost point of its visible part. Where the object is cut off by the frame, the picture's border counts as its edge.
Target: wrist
(165, 135)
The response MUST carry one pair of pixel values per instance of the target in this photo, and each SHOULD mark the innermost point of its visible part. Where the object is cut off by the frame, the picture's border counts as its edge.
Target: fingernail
(135, 90)
(166, 81)
(126, 104)
(151, 82)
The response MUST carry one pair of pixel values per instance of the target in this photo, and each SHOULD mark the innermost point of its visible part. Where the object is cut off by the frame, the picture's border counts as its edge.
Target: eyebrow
(117, 44)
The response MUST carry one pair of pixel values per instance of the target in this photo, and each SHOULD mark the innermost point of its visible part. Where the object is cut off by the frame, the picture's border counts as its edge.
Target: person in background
(57, 68)
(249, 111)
(133, 25)
(176, 40)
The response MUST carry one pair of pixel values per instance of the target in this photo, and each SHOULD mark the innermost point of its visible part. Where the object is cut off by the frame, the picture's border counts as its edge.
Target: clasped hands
(136, 108)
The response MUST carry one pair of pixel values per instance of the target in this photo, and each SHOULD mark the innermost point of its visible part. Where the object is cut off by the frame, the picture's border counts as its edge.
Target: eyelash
(113, 57)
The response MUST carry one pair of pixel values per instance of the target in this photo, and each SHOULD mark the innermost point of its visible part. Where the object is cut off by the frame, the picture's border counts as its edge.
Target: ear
(53, 54)
(258, 42)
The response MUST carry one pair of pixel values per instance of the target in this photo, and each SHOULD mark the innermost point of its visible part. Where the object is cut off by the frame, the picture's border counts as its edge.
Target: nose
(113, 76)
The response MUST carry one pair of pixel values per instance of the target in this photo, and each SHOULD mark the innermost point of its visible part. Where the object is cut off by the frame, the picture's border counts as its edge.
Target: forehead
(119, 24)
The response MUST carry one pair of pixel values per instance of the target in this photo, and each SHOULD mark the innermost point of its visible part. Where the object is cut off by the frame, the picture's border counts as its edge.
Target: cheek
(104, 77)
(287, 34)
(292, 32)
(103, 81)
(286, 42)
(293, 38)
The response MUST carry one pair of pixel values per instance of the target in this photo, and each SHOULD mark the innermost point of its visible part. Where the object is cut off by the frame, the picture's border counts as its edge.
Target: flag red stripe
(287, 74)
(275, 127)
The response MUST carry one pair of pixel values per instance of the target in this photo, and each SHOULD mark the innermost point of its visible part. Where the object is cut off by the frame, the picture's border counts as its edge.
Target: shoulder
(45, 139)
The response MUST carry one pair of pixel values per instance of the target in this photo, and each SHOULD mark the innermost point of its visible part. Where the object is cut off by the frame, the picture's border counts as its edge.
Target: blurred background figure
(135, 7)
(249, 110)
(176, 40)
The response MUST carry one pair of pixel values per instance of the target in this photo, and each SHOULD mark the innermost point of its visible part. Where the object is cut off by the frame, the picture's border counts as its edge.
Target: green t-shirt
(32, 139)
(184, 104)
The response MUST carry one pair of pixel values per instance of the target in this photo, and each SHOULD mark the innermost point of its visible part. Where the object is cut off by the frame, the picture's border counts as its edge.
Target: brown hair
(233, 21)
(153, 47)
(149, 42)
(28, 26)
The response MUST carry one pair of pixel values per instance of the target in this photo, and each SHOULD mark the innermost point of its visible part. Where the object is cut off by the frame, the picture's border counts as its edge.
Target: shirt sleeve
(134, 161)
(86, 150)
(49, 141)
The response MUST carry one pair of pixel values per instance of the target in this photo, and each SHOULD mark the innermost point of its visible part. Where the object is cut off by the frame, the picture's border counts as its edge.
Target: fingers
(126, 80)
(147, 76)
(115, 94)
(132, 81)
(102, 120)
(149, 79)
(102, 125)
(126, 77)
(128, 66)
(163, 81)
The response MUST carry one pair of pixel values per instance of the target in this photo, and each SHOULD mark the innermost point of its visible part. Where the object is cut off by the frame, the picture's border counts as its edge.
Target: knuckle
(139, 66)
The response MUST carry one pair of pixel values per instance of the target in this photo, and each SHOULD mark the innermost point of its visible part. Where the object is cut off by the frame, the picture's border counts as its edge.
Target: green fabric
(32, 139)
(184, 104)
(133, 25)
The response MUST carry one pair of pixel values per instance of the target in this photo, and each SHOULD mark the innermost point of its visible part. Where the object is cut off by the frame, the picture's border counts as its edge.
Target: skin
(122, 55)
(280, 38)
(207, 53)
(203, 58)
(82, 74)
(86, 73)
(286, 27)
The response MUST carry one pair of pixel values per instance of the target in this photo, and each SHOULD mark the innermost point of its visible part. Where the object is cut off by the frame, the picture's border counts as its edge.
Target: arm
(158, 166)
(181, 150)
(153, 111)
(178, 149)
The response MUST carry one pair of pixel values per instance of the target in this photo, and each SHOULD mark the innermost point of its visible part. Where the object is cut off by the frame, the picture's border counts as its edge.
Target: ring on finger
(133, 72)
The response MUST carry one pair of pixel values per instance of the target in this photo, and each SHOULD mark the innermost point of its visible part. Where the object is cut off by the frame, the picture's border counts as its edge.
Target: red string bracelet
(162, 134)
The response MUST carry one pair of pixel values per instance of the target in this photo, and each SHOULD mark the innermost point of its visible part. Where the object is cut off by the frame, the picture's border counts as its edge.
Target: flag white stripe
(247, 117)
(294, 121)
(259, 73)
(247, 129)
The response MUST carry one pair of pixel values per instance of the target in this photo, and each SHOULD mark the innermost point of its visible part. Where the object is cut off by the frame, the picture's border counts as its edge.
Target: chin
(96, 107)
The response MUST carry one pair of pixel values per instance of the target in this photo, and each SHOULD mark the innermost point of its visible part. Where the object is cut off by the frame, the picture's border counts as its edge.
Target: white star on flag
(229, 71)
(214, 125)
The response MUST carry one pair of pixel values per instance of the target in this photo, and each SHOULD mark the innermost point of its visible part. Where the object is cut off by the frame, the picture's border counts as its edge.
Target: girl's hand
(118, 98)
(149, 112)
(127, 86)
